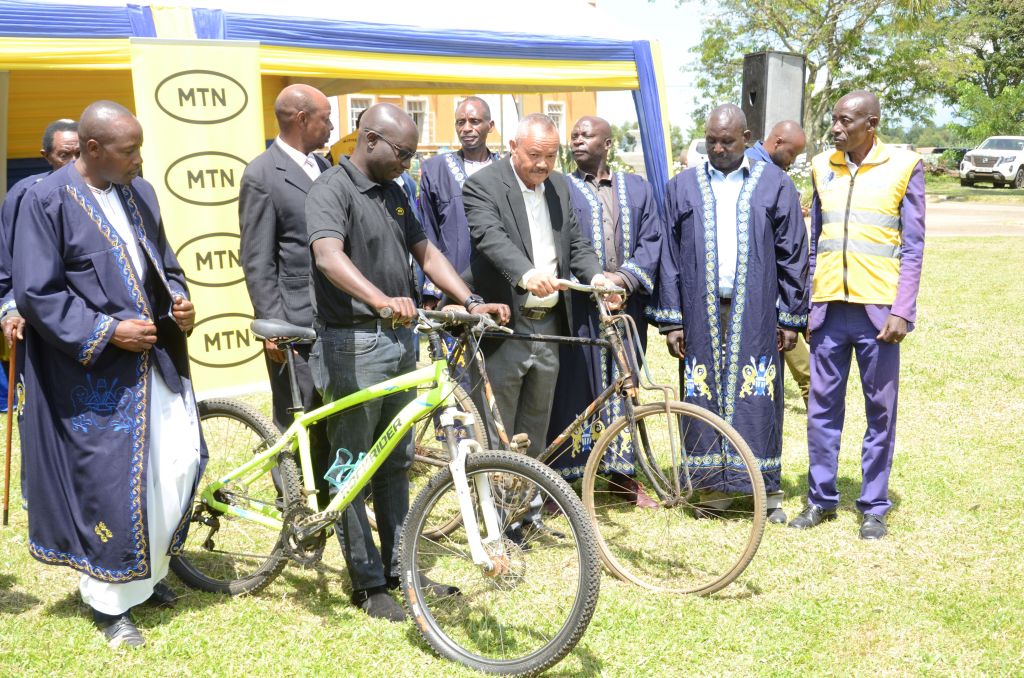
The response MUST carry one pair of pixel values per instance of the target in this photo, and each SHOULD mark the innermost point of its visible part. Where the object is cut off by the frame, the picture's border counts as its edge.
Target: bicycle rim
(707, 527)
(228, 554)
(529, 616)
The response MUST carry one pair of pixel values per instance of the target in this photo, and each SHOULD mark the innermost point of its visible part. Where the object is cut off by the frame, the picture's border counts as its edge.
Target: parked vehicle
(697, 153)
(999, 160)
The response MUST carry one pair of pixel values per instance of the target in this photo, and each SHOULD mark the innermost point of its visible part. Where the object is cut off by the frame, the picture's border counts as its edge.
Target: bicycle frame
(438, 378)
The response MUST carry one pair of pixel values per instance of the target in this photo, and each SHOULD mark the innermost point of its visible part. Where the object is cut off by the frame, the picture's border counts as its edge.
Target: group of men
(723, 267)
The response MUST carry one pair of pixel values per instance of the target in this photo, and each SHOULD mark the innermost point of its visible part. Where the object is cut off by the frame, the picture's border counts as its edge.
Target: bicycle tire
(697, 543)
(235, 432)
(470, 627)
(432, 454)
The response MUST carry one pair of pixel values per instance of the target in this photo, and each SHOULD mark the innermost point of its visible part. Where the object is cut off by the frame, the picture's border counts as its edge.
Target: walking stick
(10, 429)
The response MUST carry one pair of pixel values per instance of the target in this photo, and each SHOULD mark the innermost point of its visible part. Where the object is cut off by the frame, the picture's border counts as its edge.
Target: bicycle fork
(488, 512)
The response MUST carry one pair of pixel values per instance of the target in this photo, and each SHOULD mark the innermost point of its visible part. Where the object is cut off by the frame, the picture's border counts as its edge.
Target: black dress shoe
(378, 604)
(873, 527)
(427, 585)
(516, 536)
(777, 516)
(163, 595)
(119, 630)
(812, 516)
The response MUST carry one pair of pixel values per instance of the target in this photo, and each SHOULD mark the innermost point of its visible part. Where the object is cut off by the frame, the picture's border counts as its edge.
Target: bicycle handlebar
(591, 289)
(461, 318)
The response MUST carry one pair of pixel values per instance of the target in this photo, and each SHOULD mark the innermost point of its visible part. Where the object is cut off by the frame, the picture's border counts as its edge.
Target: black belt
(365, 325)
(536, 312)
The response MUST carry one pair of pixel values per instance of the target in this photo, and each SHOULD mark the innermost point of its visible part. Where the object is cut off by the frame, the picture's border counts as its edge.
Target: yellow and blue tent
(56, 57)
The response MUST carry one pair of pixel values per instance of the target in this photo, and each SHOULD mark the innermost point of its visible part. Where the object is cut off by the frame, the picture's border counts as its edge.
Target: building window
(356, 105)
(556, 111)
(417, 110)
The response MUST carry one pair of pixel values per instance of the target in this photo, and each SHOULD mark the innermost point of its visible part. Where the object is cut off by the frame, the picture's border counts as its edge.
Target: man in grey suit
(275, 254)
(525, 236)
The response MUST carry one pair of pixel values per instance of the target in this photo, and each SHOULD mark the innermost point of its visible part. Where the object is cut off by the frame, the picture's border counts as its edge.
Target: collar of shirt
(361, 181)
(718, 175)
(759, 152)
(592, 179)
(852, 166)
(298, 156)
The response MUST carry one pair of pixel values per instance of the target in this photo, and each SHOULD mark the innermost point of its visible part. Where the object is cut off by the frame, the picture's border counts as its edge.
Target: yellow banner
(200, 105)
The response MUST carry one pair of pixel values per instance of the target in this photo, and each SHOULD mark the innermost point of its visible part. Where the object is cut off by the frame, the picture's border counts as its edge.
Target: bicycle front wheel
(533, 606)
(711, 499)
(229, 554)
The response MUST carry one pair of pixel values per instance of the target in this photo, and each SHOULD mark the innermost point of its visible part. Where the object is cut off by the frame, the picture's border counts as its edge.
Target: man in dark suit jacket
(275, 256)
(525, 236)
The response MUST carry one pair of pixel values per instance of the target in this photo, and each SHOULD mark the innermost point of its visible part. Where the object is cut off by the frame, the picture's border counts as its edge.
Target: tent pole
(5, 79)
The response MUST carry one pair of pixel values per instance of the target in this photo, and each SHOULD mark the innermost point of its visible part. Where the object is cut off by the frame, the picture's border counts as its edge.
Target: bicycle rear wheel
(529, 612)
(228, 554)
(431, 453)
(707, 527)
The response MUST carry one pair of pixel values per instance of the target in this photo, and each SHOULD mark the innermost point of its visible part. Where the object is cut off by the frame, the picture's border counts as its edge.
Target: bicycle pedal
(520, 443)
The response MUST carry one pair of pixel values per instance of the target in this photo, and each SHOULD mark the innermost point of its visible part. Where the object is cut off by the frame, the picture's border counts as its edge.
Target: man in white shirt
(274, 253)
(525, 237)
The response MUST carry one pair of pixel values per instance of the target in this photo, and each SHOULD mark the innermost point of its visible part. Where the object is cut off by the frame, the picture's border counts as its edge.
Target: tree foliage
(849, 44)
(982, 70)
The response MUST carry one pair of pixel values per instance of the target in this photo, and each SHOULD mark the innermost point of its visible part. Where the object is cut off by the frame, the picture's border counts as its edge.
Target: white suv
(998, 159)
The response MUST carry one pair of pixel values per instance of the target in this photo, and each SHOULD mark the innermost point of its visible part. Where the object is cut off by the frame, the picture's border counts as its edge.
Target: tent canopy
(430, 47)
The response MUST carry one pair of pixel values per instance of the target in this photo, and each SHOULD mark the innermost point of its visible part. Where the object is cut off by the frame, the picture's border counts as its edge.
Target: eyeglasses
(402, 153)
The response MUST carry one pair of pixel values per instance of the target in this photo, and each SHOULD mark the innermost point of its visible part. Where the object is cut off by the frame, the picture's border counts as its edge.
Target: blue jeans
(346, 360)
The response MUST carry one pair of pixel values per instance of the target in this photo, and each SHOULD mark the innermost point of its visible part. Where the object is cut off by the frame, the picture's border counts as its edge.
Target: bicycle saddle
(282, 332)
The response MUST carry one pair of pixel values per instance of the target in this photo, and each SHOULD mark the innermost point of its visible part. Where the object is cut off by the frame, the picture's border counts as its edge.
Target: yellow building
(435, 114)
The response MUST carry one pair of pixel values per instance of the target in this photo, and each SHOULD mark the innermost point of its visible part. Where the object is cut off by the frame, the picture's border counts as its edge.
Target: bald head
(111, 144)
(590, 141)
(387, 142)
(863, 100)
(726, 136)
(854, 120)
(304, 117)
(481, 105)
(784, 142)
(105, 122)
(728, 115)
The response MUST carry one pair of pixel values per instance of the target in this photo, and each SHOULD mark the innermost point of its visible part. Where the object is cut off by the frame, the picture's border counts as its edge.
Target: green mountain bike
(522, 604)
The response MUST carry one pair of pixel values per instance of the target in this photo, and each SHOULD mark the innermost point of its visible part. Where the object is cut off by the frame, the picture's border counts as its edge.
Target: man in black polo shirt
(361, 231)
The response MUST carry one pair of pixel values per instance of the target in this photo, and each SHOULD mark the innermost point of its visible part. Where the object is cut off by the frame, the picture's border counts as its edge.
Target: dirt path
(956, 218)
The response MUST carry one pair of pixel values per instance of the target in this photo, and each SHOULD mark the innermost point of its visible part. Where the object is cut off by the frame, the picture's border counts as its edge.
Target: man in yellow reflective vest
(867, 245)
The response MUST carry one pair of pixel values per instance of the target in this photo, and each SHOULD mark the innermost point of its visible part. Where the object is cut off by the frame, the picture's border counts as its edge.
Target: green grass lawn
(949, 187)
(942, 595)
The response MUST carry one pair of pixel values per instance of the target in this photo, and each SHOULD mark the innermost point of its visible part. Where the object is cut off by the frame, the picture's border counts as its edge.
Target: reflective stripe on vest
(859, 247)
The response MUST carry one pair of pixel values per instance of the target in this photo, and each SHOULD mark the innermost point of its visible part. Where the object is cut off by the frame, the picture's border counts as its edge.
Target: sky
(677, 30)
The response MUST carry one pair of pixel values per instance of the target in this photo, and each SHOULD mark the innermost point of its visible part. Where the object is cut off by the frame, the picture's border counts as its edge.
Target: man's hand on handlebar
(543, 284)
(499, 312)
(606, 280)
(401, 310)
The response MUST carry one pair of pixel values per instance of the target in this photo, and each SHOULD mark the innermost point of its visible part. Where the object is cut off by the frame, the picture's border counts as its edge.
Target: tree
(849, 44)
(982, 71)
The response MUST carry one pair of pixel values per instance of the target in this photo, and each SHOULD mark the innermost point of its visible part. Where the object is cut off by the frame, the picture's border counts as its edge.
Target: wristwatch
(473, 300)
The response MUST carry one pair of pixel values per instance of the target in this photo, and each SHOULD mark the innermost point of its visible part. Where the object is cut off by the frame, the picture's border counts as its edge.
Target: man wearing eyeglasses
(362, 230)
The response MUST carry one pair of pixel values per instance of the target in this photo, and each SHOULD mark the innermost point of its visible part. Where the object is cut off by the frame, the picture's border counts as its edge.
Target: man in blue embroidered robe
(60, 146)
(732, 295)
(618, 213)
(112, 445)
(440, 204)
